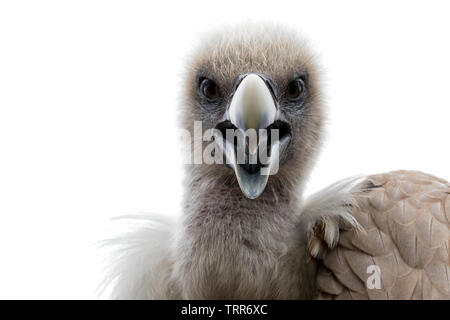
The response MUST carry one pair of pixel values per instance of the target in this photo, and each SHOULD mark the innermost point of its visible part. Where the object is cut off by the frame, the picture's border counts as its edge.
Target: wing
(404, 242)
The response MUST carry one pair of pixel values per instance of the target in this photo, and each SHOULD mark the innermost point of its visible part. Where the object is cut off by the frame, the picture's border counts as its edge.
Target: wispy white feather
(138, 257)
(333, 206)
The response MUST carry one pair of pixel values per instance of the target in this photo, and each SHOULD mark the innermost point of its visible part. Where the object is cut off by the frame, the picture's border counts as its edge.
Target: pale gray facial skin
(253, 107)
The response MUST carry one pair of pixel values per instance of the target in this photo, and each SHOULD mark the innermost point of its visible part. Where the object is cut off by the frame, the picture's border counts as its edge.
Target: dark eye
(295, 89)
(209, 89)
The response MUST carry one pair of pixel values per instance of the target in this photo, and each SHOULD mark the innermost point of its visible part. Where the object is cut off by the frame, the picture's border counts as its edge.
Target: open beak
(254, 134)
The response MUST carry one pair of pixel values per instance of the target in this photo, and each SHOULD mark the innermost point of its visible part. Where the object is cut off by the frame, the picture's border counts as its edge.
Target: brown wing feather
(405, 216)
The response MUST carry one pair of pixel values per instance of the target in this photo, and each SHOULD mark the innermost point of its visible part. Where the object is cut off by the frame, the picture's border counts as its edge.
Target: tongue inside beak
(253, 108)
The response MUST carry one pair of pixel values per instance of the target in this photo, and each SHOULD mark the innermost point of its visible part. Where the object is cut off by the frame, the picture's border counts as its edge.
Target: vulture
(246, 230)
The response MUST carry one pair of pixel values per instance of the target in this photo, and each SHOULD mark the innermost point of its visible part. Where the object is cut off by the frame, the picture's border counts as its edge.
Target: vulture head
(246, 80)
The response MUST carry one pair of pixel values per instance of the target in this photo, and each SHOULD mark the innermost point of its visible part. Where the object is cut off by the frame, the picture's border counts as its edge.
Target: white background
(88, 102)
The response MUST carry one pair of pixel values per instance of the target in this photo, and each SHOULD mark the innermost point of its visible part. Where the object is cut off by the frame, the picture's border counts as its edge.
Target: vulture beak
(254, 133)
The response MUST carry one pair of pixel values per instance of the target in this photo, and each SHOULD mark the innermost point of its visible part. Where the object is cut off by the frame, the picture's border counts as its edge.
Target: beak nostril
(283, 128)
(224, 126)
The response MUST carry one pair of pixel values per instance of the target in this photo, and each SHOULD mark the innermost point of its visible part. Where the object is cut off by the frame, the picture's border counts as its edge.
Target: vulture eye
(295, 89)
(209, 89)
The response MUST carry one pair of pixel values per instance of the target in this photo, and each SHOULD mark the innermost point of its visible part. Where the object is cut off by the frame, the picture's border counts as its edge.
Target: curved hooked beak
(254, 134)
